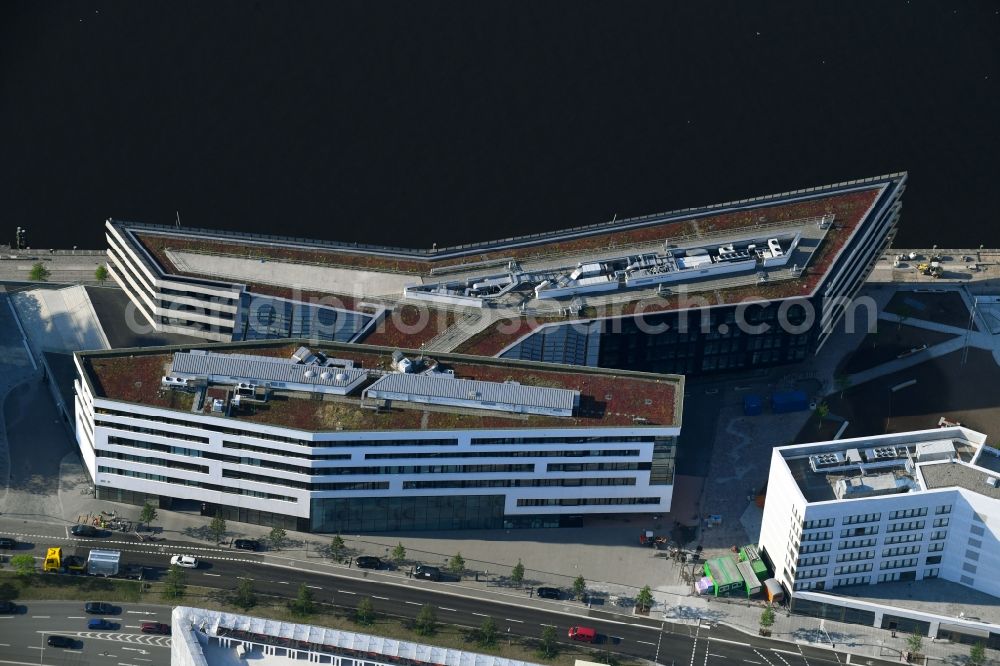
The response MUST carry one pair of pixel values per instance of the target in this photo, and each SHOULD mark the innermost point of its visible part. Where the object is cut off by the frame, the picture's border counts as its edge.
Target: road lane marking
(547, 625)
(35, 647)
(763, 657)
(216, 575)
(346, 592)
(481, 614)
(131, 626)
(4, 644)
(646, 642)
(720, 656)
(281, 582)
(76, 617)
(750, 661)
(40, 617)
(510, 619)
(452, 610)
(315, 587)
(803, 655)
(382, 598)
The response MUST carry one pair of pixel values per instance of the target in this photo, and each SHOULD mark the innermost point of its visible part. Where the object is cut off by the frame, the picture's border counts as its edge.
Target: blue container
(784, 402)
(753, 405)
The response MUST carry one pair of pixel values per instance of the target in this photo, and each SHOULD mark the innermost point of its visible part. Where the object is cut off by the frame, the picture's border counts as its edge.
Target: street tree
(24, 565)
(277, 537)
(487, 635)
(977, 654)
(148, 513)
(364, 614)
(457, 564)
(337, 547)
(517, 573)
(398, 554)
(579, 587)
(218, 527)
(245, 597)
(766, 619)
(822, 411)
(175, 585)
(101, 274)
(426, 622)
(550, 643)
(915, 643)
(842, 382)
(303, 603)
(39, 273)
(644, 600)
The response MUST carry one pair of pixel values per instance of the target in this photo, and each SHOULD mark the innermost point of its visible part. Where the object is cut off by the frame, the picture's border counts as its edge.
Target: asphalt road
(666, 643)
(23, 636)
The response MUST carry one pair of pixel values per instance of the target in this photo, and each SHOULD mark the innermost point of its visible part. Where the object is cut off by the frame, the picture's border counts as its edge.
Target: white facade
(202, 637)
(947, 525)
(253, 467)
(173, 304)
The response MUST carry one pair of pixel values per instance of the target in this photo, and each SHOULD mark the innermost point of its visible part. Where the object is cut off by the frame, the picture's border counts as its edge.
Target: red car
(154, 628)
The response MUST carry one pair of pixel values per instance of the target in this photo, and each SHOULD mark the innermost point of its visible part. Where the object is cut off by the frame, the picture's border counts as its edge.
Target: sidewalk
(611, 568)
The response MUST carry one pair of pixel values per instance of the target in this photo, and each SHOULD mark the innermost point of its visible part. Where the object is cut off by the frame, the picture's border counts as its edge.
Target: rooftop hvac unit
(310, 373)
(328, 375)
(884, 453)
(821, 460)
(218, 405)
(992, 481)
(341, 377)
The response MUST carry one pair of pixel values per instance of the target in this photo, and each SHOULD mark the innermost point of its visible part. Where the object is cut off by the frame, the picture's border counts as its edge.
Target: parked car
(99, 623)
(58, 641)
(548, 593)
(427, 573)
(8, 607)
(583, 634)
(368, 562)
(99, 608)
(248, 544)
(86, 531)
(186, 561)
(154, 628)
(8, 543)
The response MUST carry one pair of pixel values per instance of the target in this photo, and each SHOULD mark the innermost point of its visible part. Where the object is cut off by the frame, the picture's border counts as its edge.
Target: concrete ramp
(60, 320)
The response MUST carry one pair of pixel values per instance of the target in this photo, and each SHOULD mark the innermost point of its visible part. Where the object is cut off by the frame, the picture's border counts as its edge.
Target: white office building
(202, 637)
(847, 521)
(362, 438)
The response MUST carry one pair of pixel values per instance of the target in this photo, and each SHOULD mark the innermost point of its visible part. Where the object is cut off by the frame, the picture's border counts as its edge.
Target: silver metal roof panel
(495, 395)
(262, 370)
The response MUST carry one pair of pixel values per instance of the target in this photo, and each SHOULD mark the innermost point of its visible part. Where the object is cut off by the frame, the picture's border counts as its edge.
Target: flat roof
(313, 639)
(958, 475)
(607, 397)
(847, 204)
(884, 464)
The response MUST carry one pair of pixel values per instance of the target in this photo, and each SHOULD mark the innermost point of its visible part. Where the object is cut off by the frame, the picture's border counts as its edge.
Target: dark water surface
(410, 123)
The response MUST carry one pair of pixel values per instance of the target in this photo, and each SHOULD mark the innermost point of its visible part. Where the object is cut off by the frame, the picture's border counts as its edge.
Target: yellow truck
(53, 559)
